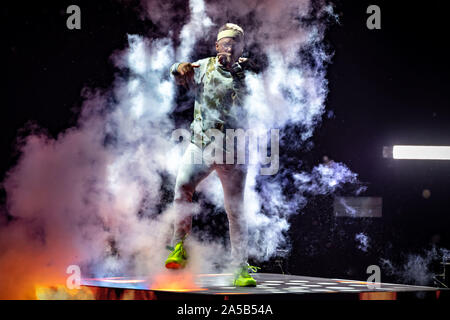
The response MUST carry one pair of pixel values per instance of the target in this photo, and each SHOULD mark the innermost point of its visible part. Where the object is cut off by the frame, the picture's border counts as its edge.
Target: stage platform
(270, 286)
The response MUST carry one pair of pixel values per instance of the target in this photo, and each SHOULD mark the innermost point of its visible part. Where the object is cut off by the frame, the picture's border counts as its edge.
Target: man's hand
(225, 59)
(185, 75)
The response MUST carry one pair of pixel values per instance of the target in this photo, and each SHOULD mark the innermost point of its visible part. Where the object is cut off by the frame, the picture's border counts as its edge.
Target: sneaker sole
(174, 265)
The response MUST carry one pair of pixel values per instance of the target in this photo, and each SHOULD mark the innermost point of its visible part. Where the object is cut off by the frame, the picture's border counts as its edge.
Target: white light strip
(421, 152)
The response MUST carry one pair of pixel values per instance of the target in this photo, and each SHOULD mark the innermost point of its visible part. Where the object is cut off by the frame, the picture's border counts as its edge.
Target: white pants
(232, 177)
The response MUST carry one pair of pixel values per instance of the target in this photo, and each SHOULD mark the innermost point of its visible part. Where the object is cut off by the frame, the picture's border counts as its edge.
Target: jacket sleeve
(173, 68)
(198, 72)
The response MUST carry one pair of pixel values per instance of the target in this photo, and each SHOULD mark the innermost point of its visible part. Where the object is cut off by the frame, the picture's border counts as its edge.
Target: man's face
(229, 50)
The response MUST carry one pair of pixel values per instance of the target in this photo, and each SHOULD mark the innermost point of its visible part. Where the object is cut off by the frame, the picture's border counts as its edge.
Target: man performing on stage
(219, 88)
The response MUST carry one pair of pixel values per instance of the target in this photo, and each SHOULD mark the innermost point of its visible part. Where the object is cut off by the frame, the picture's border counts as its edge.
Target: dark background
(387, 87)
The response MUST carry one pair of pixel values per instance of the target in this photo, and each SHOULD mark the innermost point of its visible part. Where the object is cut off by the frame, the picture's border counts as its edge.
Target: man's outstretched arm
(184, 73)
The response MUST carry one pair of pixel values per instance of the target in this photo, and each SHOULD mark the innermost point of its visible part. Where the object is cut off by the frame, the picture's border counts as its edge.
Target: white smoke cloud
(416, 269)
(363, 241)
(197, 26)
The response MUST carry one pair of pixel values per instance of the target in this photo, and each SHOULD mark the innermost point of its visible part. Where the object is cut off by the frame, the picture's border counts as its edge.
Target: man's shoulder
(205, 60)
(206, 64)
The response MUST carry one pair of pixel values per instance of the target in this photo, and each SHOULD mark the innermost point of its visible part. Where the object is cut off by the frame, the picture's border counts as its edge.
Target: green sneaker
(243, 279)
(177, 258)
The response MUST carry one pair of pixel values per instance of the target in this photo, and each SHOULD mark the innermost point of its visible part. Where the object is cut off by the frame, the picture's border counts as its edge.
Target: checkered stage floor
(268, 283)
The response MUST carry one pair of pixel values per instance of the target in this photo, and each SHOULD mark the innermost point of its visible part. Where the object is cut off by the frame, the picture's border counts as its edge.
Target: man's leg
(233, 179)
(189, 175)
